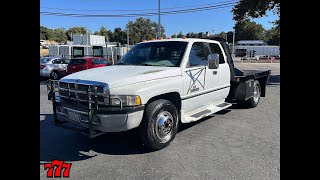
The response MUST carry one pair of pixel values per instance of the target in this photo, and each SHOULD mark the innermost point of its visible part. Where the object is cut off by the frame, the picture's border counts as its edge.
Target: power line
(141, 10)
(224, 5)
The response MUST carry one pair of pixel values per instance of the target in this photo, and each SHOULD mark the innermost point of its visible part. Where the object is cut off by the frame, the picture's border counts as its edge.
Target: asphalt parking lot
(233, 144)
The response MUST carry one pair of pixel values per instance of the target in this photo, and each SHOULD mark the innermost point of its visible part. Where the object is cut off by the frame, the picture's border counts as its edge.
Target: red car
(79, 64)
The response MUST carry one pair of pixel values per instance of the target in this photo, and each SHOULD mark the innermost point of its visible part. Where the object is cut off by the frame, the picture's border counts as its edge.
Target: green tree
(229, 36)
(143, 28)
(46, 33)
(221, 34)
(174, 36)
(246, 9)
(60, 35)
(104, 32)
(192, 35)
(180, 35)
(75, 30)
(43, 33)
(248, 30)
(272, 36)
(119, 36)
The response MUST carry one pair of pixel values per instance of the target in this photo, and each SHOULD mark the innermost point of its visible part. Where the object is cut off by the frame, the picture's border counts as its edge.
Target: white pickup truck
(154, 87)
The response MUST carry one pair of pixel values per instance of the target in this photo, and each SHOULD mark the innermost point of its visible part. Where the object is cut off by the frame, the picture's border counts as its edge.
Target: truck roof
(182, 40)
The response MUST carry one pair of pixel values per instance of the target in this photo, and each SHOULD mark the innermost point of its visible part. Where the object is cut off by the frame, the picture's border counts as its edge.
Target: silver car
(53, 67)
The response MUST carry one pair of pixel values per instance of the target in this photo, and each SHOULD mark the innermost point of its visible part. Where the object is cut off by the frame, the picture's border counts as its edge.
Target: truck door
(220, 76)
(194, 78)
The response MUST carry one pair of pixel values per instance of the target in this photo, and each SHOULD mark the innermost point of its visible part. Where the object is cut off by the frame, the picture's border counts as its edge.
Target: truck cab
(154, 87)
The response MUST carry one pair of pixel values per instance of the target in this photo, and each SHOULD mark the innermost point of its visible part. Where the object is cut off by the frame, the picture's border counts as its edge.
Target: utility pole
(87, 37)
(107, 37)
(234, 36)
(128, 39)
(159, 25)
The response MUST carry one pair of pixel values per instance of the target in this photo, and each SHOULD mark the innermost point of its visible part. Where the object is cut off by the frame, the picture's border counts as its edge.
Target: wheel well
(173, 97)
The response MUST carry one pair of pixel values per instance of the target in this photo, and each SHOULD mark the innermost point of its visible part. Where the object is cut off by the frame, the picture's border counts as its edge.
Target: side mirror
(213, 61)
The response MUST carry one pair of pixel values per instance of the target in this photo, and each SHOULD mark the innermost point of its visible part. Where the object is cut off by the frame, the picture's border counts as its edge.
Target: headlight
(126, 100)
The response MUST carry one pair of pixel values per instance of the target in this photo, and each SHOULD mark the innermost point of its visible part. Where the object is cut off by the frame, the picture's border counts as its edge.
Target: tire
(159, 125)
(253, 101)
(54, 75)
(55, 119)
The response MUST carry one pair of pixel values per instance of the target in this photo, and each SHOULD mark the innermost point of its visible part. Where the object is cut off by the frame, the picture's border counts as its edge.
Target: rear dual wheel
(253, 101)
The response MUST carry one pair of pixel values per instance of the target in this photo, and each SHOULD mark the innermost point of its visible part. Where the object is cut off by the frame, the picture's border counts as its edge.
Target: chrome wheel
(164, 126)
(256, 94)
(54, 75)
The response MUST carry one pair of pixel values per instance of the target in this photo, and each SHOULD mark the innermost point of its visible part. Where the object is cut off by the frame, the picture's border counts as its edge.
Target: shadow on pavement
(274, 80)
(43, 81)
(59, 143)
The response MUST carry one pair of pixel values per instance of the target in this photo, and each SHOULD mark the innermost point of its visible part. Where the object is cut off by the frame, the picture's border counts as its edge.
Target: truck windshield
(168, 54)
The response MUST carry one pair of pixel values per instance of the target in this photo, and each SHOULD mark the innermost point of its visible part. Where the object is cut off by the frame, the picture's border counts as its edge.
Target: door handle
(214, 72)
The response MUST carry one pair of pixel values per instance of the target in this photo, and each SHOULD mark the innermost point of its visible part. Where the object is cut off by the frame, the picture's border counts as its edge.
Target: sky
(215, 20)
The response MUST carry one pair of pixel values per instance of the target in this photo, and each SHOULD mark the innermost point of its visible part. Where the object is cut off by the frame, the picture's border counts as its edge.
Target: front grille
(79, 92)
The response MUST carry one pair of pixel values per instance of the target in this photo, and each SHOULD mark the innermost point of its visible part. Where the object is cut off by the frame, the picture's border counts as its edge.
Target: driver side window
(215, 48)
(56, 61)
(198, 54)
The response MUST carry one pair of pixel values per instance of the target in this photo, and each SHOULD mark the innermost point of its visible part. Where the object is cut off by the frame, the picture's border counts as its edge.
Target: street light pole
(107, 37)
(128, 39)
(159, 25)
(234, 36)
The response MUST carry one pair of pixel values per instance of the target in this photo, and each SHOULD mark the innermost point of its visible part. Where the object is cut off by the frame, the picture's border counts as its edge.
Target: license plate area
(74, 116)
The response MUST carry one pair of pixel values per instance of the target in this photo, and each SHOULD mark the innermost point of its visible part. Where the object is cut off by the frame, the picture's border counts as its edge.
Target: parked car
(265, 57)
(249, 58)
(277, 57)
(53, 67)
(79, 64)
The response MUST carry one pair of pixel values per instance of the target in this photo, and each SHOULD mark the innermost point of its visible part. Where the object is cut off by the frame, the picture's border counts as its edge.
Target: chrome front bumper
(102, 121)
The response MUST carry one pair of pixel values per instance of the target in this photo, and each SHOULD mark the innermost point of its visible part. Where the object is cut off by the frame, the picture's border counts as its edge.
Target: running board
(200, 113)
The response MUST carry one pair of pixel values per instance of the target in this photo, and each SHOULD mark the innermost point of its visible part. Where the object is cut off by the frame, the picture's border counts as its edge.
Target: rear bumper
(105, 121)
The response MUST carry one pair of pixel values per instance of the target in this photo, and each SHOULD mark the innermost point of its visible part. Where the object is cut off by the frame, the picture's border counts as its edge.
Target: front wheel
(159, 125)
(54, 75)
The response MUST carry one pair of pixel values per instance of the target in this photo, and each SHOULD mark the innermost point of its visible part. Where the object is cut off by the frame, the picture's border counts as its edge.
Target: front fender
(148, 89)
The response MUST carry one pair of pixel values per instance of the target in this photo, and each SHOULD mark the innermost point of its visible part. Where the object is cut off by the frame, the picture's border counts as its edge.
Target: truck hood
(121, 75)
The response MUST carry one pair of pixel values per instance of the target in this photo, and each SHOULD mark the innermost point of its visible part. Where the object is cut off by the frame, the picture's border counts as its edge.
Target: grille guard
(52, 89)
